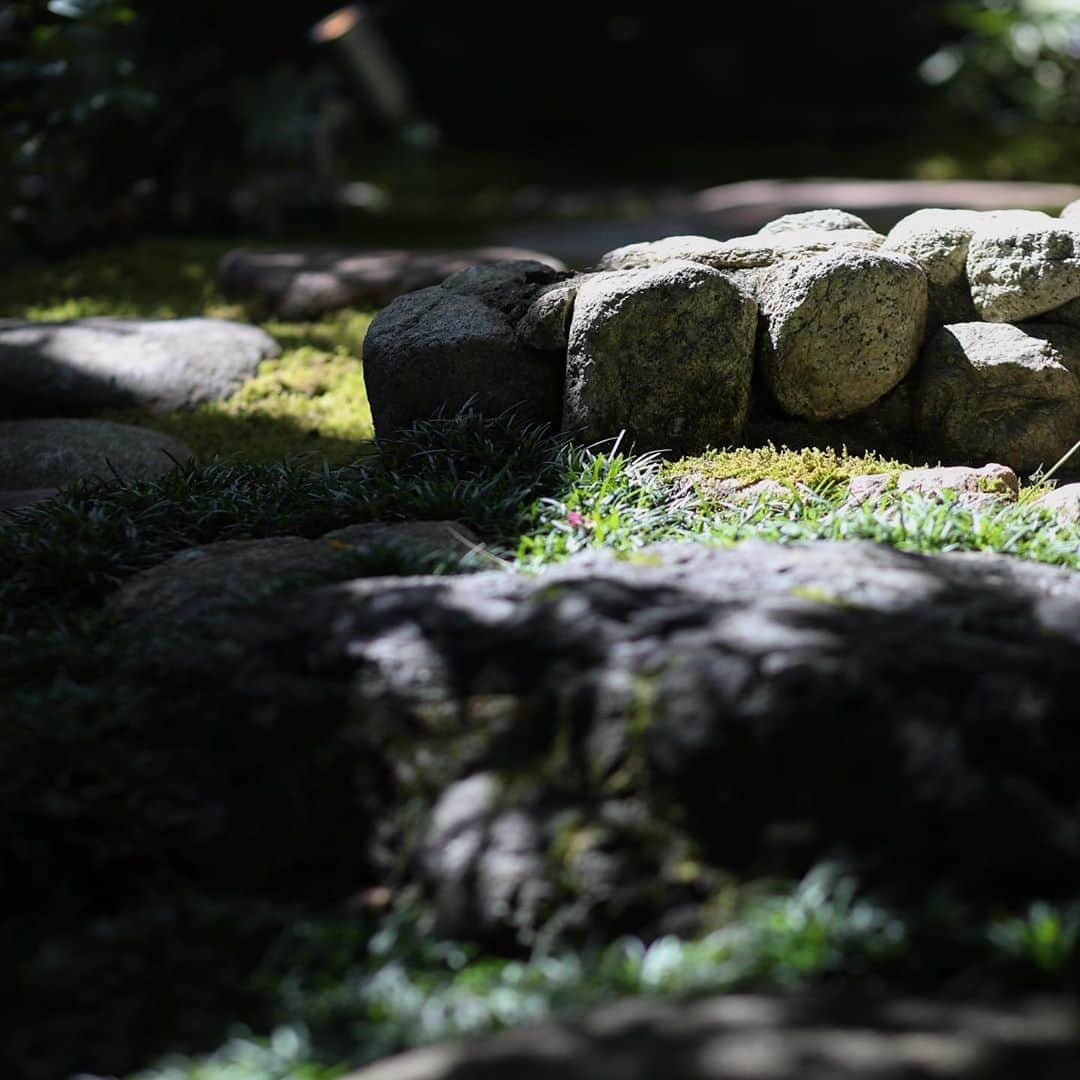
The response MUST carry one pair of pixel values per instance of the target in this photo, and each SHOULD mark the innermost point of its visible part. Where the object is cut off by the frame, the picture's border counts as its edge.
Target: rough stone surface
(508, 287)
(1020, 266)
(546, 323)
(760, 706)
(938, 241)
(741, 493)
(741, 253)
(1072, 210)
(89, 365)
(815, 219)
(665, 354)
(52, 453)
(1064, 502)
(840, 330)
(303, 284)
(809, 1036)
(990, 483)
(652, 253)
(1000, 392)
(206, 579)
(437, 349)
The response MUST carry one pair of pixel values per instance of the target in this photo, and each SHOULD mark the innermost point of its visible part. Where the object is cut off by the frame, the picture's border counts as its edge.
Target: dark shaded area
(915, 713)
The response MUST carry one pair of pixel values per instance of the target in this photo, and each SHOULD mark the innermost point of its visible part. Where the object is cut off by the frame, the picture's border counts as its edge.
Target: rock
(991, 483)
(840, 329)
(691, 704)
(814, 219)
(665, 354)
(1020, 266)
(1066, 315)
(1000, 392)
(209, 578)
(436, 350)
(672, 248)
(938, 241)
(741, 253)
(487, 862)
(89, 365)
(739, 492)
(52, 453)
(508, 287)
(812, 1035)
(16, 500)
(1072, 210)
(1063, 502)
(546, 323)
(304, 284)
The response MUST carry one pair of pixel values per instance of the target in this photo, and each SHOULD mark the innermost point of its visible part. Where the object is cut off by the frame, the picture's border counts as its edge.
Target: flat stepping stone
(37, 454)
(205, 579)
(810, 1036)
(845, 686)
(84, 366)
(305, 283)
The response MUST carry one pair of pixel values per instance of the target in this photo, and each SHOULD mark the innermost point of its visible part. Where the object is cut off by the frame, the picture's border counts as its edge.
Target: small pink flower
(575, 517)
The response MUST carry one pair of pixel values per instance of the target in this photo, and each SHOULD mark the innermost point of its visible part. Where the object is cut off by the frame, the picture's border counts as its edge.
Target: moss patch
(310, 399)
(813, 468)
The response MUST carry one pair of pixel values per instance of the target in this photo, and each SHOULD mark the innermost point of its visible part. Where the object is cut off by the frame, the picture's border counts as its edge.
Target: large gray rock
(1000, 392)
(508, 287)
(814, 1035)
(557, 746)
(439, 348)
(665, 354)
(938, 241)
(742, 253)
(206, 579)
(815, 219)
(840, 329)
(1019, 266)
(52, 453)
(305, 283)
(89, 365)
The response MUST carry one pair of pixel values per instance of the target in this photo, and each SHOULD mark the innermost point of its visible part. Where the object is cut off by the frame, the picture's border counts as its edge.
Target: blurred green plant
(73, 109)
(1016, 63)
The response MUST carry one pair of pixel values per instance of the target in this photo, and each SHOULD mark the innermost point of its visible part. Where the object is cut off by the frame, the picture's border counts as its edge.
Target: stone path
(83, 366)
(755, 1037)
(733, 209)
(305, 283)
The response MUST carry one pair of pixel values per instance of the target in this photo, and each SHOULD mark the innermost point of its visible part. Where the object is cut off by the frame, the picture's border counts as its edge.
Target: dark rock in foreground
(744, 1037)
(577, 740)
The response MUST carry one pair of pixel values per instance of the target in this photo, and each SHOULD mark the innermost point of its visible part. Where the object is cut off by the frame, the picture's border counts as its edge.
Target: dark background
(122, 115)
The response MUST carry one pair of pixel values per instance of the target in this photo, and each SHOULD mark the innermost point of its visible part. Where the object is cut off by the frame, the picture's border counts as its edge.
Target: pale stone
(664, 353)
(840, 331)
(1000, 392)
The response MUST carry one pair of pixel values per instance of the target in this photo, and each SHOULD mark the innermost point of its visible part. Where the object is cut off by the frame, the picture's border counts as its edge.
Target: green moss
(813, 468)
(309, 399)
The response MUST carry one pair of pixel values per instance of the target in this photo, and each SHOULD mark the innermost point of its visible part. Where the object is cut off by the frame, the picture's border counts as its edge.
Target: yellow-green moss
(309, 399)
(813, 467)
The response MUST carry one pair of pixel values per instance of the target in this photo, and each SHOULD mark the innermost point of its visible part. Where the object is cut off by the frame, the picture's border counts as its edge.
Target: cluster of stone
(959, 332)
(56, 377)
